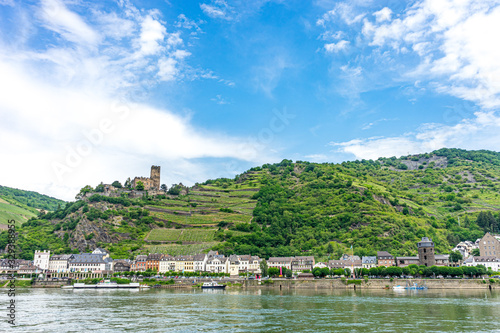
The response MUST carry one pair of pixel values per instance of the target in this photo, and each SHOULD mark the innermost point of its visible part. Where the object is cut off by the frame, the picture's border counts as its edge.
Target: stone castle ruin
(151, 183)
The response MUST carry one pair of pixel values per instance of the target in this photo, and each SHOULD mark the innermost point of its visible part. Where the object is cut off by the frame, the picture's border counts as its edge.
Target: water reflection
(232, 310)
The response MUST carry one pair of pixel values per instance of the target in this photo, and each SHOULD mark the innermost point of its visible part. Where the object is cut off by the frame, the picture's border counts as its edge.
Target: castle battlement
(151, 183)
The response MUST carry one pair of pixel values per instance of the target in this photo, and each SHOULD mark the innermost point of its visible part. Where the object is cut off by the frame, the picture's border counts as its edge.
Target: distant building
(41, 259)
(426, 252)
(250, 264)
(152, 183)
(488, 262)
(200, 262)
(88, 262)
(369, 262)
(465, 248)
(217, 264)
(489, 246)
(278, 262)
(301, 263)
(320, 265)
(184, 263)
(101, 251)
(167, 263)
(347, 257)
(153, 261)
(121, 265)
(12, 266)
(442, 259)
(233, 265)
(384, 258)
(28, 269)
(406, 261)
(139, 264)
(336, 264)
(59, 263)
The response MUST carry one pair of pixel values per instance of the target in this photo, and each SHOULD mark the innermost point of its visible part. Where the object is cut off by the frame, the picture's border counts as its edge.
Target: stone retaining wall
(374, 284)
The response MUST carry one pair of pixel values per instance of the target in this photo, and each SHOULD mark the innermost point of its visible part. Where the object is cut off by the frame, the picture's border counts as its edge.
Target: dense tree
(117, 184)
(139, 186)
(273, 271)
(455, 256)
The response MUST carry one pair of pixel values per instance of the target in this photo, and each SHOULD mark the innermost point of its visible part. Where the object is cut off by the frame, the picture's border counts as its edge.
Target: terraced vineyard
(182, 235)
(207, 205)
(176, 249)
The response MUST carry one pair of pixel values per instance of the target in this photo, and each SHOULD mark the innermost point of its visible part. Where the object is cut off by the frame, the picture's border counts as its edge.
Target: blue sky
(99, 91)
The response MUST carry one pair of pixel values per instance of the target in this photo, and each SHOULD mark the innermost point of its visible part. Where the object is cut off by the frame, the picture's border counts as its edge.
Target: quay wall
(373, 284)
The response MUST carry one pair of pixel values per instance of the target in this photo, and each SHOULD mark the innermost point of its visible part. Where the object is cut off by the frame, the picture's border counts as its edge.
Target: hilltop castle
(151, 183)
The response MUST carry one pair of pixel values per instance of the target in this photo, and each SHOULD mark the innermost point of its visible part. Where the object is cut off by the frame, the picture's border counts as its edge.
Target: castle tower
(155, 176)
(426, 252)
(41, 259)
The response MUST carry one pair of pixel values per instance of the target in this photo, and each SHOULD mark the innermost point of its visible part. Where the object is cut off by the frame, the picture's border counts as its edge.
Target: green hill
(293, 209)
(22, 205)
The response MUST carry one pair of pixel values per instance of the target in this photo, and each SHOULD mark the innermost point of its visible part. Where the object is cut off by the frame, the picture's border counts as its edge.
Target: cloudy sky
(99, 91)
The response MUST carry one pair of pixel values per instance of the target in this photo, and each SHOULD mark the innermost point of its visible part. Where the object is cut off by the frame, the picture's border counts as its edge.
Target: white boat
(212, 285)
(398, 287)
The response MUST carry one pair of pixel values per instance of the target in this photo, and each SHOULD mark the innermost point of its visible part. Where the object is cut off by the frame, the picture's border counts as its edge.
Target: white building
(200, 262)
(465, 248)
(41, 259)
(488, 262)
(167, 263)
(217, 264)
(320, 265)
(87, 262)
(369, 262)
(59, 263)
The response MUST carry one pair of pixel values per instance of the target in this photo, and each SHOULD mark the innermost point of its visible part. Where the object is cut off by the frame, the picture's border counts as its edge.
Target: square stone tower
(155, 176)
(41, 259)
(426, 255)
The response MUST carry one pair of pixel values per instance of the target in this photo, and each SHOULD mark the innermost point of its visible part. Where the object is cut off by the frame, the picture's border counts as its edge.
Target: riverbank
(282, 284)
(374, 284)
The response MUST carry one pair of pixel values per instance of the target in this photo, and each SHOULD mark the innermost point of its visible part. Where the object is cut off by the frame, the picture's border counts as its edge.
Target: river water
(185, 310)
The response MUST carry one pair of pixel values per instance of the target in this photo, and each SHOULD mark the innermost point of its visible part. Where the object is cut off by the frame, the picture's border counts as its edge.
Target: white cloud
(114, 26)
(268, 75)
(58, 18)
(336, 47)
(317, 158)
(479, 132)
(219, 100)
(383, 15)
(455, 43)
(168, 70)
(186, 23)
(7, 3)
(217, 9)
(181, 54)
(152, 34)
(74, 112)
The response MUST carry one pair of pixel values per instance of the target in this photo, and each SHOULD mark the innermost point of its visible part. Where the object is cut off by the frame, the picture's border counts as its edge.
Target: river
(255, 310)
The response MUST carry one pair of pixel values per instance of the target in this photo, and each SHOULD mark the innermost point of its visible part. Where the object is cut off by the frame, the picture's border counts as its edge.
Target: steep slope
(22, 205)
(293, 208)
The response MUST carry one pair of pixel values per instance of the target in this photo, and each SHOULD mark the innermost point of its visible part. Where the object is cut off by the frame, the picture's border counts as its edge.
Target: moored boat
(212, 285)
(105, 284)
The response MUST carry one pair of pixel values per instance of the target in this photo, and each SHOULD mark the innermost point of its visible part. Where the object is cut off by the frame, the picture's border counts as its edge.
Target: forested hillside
(293, 209)
(22, 205)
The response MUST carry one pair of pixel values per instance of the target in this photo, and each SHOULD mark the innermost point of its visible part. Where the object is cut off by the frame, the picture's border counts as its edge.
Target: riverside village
(163, 270)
